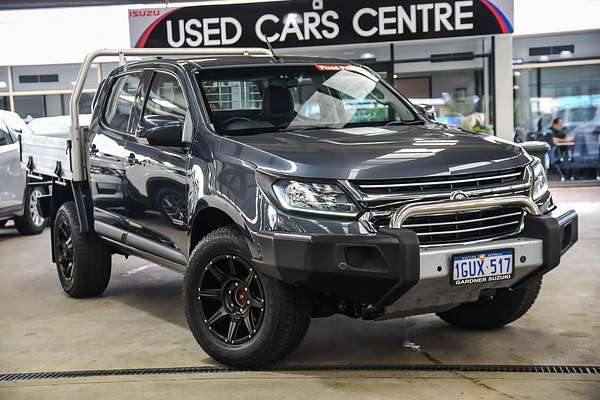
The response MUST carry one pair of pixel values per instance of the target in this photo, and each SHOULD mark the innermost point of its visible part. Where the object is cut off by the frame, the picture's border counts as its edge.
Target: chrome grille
(382, 193)
(383, 197)
(466, 226)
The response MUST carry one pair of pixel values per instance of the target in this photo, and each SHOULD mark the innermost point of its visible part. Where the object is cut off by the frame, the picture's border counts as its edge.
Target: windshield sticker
(346, 67)
(330, 67)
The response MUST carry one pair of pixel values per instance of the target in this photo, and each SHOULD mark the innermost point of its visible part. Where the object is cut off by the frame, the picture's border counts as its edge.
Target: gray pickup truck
(290, 188)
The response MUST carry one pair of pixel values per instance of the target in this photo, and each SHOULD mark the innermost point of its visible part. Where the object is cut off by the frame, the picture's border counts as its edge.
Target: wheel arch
(210, 217)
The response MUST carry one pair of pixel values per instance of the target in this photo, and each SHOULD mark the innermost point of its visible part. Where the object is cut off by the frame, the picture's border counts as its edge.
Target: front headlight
(540, 181)
(317, 198)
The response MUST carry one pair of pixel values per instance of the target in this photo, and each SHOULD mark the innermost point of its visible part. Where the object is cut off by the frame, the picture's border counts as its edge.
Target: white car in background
(18, 201)
(56, 126)
(583, 112)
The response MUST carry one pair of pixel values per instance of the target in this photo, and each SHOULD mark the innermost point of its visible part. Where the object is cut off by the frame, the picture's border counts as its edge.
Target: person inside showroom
(560, 143)
(557, 133)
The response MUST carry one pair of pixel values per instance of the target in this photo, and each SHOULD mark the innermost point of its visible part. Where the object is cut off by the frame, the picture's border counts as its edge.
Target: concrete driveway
(139, 323)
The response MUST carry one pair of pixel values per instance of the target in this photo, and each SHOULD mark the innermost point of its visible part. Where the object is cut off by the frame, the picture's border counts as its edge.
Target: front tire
(239, 317)
(504, 307)
(82, 260)
(32, 222)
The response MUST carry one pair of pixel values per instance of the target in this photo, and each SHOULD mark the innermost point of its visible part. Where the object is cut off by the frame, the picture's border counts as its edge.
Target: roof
(250, 60)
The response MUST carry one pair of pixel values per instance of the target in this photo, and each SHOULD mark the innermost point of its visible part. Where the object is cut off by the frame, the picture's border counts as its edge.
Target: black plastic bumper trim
(558, 235)
(369, 269)
(569, 230)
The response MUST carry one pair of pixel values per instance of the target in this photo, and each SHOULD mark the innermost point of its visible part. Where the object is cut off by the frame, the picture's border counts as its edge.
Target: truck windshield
(289, 98)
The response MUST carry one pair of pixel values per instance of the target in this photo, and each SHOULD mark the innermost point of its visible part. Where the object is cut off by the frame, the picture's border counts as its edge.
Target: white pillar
(503, 84)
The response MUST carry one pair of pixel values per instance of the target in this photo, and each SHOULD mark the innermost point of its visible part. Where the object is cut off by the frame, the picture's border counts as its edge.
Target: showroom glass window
(4, 103)
(456, 95)
(121, 101)
(571, 93)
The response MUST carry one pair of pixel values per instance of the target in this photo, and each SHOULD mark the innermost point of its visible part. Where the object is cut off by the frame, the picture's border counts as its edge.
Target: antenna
(275, 56)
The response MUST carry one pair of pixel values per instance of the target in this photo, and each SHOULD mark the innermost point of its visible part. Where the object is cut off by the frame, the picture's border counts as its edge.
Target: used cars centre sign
(317, 22)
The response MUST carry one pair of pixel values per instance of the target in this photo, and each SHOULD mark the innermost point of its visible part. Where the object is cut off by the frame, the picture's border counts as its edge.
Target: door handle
(93, 149)
(132, 160)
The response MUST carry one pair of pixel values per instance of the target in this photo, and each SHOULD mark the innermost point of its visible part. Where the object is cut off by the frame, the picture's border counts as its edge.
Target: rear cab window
(233, 95)
(121, 101)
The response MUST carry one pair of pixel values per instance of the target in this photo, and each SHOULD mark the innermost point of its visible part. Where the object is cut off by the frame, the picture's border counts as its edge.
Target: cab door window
(121, 100)
(166, 103)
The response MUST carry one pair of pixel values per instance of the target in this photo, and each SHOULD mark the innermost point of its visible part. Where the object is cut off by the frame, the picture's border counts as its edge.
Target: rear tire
(83, 262)
(504, 307)
(280, 314)
(32, 222)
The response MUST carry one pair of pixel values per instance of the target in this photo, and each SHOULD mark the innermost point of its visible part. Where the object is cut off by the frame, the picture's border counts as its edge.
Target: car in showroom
(310, 187)
(18, 201)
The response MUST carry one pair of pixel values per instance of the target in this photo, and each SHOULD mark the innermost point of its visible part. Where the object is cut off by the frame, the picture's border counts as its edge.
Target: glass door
(560, 105)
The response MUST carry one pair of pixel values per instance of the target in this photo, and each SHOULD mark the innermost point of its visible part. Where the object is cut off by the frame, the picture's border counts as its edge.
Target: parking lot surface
(139, 323)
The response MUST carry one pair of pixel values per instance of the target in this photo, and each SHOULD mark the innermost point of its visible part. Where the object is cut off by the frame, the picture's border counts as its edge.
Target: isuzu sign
(317, 22)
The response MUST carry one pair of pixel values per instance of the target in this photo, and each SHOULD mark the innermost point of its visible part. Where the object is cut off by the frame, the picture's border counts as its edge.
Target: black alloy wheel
(83, 262)
(239, 316)
(231, 299)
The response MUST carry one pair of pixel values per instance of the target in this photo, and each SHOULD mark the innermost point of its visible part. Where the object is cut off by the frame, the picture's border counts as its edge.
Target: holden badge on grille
(458, 195)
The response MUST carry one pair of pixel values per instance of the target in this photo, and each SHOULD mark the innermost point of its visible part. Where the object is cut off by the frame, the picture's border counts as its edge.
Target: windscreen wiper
(305, 128)
(414, 122)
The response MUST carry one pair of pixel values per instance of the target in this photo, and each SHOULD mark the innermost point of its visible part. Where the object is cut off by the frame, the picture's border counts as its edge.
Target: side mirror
(162, 130)
(428, 111)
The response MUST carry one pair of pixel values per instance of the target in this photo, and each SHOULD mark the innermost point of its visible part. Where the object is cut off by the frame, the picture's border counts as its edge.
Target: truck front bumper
(389, 270)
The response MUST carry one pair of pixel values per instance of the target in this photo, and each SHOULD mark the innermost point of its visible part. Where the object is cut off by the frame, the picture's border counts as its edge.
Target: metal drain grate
(534, 369)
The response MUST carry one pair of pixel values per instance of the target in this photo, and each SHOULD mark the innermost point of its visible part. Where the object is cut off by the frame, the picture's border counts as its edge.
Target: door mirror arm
(187, 131)
(427, 111)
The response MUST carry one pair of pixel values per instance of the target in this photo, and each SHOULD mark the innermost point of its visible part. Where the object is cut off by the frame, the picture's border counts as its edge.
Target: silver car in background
(18, 201)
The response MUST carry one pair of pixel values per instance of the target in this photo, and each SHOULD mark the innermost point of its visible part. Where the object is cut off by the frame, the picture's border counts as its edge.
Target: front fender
(225, 187)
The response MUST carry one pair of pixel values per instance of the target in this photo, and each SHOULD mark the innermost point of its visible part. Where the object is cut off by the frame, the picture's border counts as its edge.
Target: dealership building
(462, 57)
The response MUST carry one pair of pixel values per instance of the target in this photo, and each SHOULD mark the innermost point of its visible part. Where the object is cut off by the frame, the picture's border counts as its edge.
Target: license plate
(483, 267)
